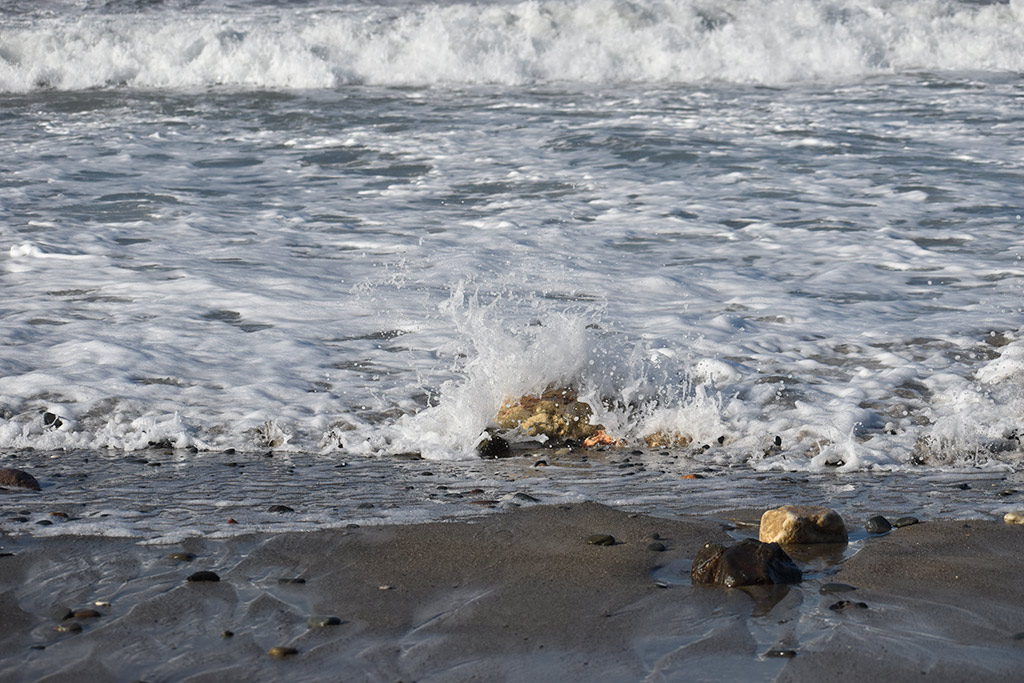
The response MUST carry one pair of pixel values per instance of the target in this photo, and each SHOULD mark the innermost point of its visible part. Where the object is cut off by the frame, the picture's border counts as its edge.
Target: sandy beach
(513, 596)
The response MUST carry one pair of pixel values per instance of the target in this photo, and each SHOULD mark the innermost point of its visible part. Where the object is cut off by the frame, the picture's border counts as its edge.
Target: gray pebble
(878, 525)
(829, 588)
(906, 521)
(656, 547)
(601, 539)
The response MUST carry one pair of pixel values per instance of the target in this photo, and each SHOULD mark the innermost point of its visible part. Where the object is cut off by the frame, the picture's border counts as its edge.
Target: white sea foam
(546, 41)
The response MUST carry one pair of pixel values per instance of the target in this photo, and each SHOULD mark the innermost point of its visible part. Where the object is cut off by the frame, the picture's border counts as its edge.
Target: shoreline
(511, 596)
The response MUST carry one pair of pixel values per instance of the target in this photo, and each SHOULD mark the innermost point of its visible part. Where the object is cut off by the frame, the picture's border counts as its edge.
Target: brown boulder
(792, 524)
(557, 414)
(12, 477)
(747, 563)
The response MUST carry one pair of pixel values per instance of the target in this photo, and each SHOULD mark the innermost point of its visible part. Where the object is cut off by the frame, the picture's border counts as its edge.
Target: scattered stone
(493, 447)
(385, 588)
(279, 508)
(181, 557)
(653, 536)
(601, 539)
(847, 604)
(60, 613)
(829, 588)
(321, 622)
(906, 521)
(657, 547)
(295, 581)
(1007, 492)
(281, 652)
(785, 654)
(802, 524)
(44, 522)
(18, 478)
(963, 487)
(60, 515)
(232, 521)
(73, 627)
(693, 476)
(557, 414)
(541, 463)
(19, 518)
(878, 525)
(86, 614)
(202, 576)
(102, 603)
(227, 634)
(37, 647)
(1014, 517)
(365, 506)
(747, 563)
(52, 420)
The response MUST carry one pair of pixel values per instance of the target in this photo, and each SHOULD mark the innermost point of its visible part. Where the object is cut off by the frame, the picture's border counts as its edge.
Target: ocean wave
(773, 42)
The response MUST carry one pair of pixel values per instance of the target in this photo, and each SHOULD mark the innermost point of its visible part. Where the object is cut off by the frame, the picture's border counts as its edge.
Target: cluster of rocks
(559, 418)
(765, 561)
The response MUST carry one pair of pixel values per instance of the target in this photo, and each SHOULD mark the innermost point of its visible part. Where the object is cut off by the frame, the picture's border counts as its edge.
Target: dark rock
(654, 536)
(60, 515)
(19, 518)
(878, 525)
(847, 604)
(524, 498)
(279, 508)
(747, 563)
(494, 447)
(365, 506)
(86, 614)
(181, 557)
(295, 581)
(657, 547)
(227, 634)
(601, 539)
(321, 622)
(281, 652)
(203, 576)
(18, 478)
(60, 613)
(906, 521)
(829, 588)
(52, 420)
(44, 522)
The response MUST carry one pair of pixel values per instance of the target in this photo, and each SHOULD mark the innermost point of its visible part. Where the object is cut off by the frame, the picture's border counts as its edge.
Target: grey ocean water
(341, 233)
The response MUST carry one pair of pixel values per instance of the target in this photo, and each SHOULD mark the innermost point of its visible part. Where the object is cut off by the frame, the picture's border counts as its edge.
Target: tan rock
(1014, 517)
(660, 439)
(792, 524)
(557, 414)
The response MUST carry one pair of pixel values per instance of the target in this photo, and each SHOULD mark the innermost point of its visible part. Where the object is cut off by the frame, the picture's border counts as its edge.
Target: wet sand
(514, 596)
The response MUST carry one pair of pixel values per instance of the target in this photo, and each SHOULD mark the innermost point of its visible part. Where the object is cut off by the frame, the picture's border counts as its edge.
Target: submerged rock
(557, 414)
(906, 521)
(791, 524)
(747, 563)
(493, 447)
(10, 476)
(203, 576)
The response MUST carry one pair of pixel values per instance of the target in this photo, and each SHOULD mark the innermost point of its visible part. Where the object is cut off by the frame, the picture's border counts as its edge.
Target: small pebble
(829, 588)
(85, 614)
(203, 576)
(73, 627)
(279, 508)
(601, 539)
(59, 515)
(281, 652)
(654, 536)
(321, 622)
(878, 525)
(231, 521)
(846, 604)
(227, 634)
(297, 580)
(182, 557)
(44, 522)
(787, 654)
(906, 521)
(656, 547)
(385, 588)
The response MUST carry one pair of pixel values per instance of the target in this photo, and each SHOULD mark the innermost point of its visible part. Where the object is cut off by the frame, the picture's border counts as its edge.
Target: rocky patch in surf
(558, 417)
